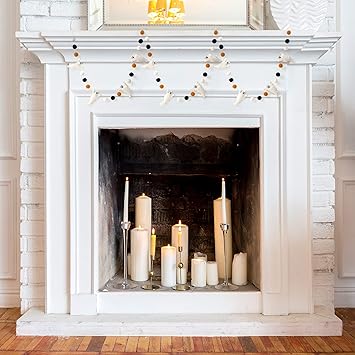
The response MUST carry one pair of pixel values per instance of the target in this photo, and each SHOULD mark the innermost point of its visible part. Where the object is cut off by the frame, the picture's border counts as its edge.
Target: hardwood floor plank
(217, 345)
(61, 353)
(279, 346)
(342, 343)
(11, 352)
(59, 344)
(226, 344)
(166, 344)
(5, 333)
(349, 339)
(270, 347)
(335, 347)
(96, 344)
(296, 344)
(248, 345)
(84, 344)
(259, 345)
(286, 344)
(131, 346)
(236, 345)
(75, 343)
(305, 344)
(326, 348)
(207, 344)
(198, 344)
(45, 344)
(143, 345)
(35, 342)
(109, 344)
(311, 341)
(177, 345)
(188, 345)
(120, 345)
(154, 344)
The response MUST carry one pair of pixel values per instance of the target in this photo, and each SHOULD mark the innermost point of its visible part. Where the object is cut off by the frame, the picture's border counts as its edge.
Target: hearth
(180, 169)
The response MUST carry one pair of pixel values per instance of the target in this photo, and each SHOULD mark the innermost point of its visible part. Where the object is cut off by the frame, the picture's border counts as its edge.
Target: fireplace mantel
(113, 46)
(284, 125)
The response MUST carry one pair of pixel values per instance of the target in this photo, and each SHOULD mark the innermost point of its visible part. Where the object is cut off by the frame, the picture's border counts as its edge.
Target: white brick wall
(47, 15)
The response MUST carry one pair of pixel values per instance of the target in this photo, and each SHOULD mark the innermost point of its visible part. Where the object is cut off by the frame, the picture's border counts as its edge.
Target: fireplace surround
(72, 159)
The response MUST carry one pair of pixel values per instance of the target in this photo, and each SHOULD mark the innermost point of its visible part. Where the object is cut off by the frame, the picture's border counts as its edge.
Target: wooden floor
(10, 344)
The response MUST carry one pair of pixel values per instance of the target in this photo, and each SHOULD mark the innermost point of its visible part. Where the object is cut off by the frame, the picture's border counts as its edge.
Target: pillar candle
(218, 237)
(126, 201)
(198, 272)
(239, 272)
(212, 273)
(183, 278)
(168, 266)
(184, 242)
(139, 254)
(143, 212)
(199, 255)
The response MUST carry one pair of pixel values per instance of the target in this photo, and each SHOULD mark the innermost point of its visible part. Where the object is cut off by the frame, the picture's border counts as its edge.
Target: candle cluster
(175, 256)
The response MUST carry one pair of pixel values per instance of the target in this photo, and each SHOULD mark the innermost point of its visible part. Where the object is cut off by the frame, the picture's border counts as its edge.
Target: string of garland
(215, 59)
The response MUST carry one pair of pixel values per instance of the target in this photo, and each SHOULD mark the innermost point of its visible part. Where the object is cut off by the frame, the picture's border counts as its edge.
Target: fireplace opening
(181, 171)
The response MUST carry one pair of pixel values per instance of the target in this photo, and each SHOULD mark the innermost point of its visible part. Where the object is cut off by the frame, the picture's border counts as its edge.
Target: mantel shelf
(117, 46)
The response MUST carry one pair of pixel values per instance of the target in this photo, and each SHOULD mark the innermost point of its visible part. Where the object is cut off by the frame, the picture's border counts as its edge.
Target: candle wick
(180, 221)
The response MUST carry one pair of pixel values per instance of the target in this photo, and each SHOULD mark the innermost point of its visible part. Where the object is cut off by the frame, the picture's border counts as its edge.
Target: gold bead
(76, 54)
(289, 32)
(281, 65)
(234, 86)
(150, 54)
(88, 86)
(193, 93)
(208, 65)
(119, 93)
(161, 86)
(215, 32)
(266, 93)
(134, 65)
(142, 32)
(223, 54)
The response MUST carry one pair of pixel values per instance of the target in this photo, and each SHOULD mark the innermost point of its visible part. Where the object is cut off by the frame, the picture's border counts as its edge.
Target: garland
(216, 59)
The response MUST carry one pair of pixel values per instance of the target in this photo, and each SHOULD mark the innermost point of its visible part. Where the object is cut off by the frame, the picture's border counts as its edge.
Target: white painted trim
(345, 297)
(9, 299)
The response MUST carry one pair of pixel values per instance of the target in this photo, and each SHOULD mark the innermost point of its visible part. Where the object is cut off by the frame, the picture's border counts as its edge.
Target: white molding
(345, 297)
(114, 46)
(11, 273)
(9, 298)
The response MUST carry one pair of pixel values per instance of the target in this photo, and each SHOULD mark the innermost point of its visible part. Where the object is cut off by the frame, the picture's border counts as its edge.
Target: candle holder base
(125, 286)
(226, 286)
(150, 287)
(181, 287)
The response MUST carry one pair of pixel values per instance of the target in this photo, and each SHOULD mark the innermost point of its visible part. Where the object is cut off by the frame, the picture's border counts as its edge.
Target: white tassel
(137, 58)
(167, 98)
(149, 65)
(223, 64)
(210, 58)
(125, 89)
(284, 58)
(94, 97)
(240, 97)
(76, 65)
(200, 89)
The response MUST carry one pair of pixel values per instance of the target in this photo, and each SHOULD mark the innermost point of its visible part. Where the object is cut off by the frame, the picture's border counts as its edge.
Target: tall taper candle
(139, 254)
(218, 236)
(184, 243)
(144, 212)
(168, 266)
(125, 203)
(224, 213)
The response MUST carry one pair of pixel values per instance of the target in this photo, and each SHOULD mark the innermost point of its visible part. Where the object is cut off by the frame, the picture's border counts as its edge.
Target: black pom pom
(148, 46)
(158, 80)
(186, 97)
(140, 41)
(214, 41)
(75, 46)
(231, 80)
(131, 74)
(221, 46)
(112, 98)
(287, 41)
(278, 74)
(259, 98)
(205, 74)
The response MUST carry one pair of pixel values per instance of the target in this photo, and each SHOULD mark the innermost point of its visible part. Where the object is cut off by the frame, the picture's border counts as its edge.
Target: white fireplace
(73, 268)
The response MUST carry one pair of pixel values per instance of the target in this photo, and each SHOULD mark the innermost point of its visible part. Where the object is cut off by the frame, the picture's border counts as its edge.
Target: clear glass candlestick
(126, 284)
(180, 286)
(225, 285)
(150, 286)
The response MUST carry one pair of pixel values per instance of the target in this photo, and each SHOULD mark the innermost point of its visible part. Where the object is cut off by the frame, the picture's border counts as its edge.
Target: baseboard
(345, 297)
(9, 299)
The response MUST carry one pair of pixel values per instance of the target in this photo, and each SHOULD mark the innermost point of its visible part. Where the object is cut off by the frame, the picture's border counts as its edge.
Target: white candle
(224, 213)
(125, 202)
(198, 272)
(212, 273)
(218, 237)
(239, 272)
(143, 212)
(153, 243)
(184, 242)
(199, 255)
(139, 254)
(181, 278)
(168, 266)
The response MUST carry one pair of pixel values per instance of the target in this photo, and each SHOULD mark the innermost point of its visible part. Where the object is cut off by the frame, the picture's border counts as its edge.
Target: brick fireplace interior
(180, 169)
